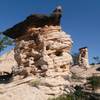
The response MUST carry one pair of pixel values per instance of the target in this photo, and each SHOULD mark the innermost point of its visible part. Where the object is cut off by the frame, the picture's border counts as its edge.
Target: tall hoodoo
(42, 48)
(83, 57)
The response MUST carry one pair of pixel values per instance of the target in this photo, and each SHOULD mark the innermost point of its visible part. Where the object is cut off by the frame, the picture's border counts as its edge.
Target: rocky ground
(83, 73)
(7, 61)
(13, 91)
(31, 88)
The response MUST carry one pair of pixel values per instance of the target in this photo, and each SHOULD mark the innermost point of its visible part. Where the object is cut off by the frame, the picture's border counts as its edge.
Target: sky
(80, 19)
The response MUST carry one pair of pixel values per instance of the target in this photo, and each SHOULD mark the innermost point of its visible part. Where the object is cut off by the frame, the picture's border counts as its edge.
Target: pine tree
(4, 42)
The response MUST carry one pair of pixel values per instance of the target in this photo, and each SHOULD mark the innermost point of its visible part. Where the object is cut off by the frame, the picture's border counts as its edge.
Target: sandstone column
(43, 51)
(83, 57)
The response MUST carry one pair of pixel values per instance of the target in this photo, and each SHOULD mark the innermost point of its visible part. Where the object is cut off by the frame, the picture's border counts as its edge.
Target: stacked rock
(45, 53)
(83, 58)
(44, 50)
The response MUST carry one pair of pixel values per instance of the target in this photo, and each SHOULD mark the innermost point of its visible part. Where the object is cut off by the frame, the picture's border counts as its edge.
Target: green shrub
(64, 97)
(94, 81)
(77, 95)
(69, 97)
(35, 83)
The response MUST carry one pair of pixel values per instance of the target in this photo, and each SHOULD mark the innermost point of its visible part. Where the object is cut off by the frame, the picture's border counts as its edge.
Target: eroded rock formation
(43, 51)
(83, 57)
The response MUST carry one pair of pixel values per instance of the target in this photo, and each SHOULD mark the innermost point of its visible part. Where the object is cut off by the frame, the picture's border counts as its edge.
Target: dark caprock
(34, 20)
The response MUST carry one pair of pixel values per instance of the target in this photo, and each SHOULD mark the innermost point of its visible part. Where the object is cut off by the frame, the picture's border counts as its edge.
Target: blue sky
(81, 19)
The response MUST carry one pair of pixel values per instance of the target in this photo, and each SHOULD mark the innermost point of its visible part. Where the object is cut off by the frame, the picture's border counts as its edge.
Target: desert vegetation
(4, 42)
(94, 81)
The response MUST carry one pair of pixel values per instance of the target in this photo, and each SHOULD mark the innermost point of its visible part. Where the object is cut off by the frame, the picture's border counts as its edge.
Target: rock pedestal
(83, 57)
(45, 54)
(44, 51)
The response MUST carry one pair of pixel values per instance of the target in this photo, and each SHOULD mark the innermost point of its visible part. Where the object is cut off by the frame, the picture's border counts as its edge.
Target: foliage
(92, 64)
(76, 77)
(94, 81)
(75, 57)
(77, 95)
(69, 97)
(4, 42)
(35, 83)
(96, 59)
(63, 97)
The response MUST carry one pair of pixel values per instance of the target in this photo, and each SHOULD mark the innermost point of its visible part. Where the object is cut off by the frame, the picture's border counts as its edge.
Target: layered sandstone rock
(83, 57)
(7, 61)
(45, 53)
(44, 50)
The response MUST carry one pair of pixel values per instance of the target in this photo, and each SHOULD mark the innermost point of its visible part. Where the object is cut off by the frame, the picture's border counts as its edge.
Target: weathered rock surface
(34, 88)
(45, 52)
(83, 58)
(83, 73)
(7, 61)
(23, 92)
(42, 51)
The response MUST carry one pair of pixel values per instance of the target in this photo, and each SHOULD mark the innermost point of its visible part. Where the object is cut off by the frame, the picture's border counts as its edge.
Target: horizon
(80, 19)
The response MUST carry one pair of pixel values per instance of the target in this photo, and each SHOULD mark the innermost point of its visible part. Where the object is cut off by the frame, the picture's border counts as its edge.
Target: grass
(94, 81)
(77, 95)
(69, 97)
(35, 83)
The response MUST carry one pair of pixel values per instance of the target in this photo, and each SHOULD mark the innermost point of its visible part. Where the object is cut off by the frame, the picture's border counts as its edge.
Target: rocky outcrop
(23, 92)
(43, 51)
(83, 57)
(7, 61)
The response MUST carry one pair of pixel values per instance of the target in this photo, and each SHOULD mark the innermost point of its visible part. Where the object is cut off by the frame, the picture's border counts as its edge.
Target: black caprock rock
(34, 20)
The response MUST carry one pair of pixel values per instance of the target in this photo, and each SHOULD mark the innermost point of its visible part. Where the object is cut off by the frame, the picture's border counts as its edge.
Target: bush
(4, 42)
(75, 57)
(77, 95)
(64, 97)
(35, 83)
(94, 81)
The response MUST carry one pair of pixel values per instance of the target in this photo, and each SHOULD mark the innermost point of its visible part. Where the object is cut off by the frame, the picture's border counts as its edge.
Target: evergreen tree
(4, 42)
(75, 57)
(97, 59)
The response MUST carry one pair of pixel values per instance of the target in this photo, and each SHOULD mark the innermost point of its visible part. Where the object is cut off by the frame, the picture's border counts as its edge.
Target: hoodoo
(43, 50)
